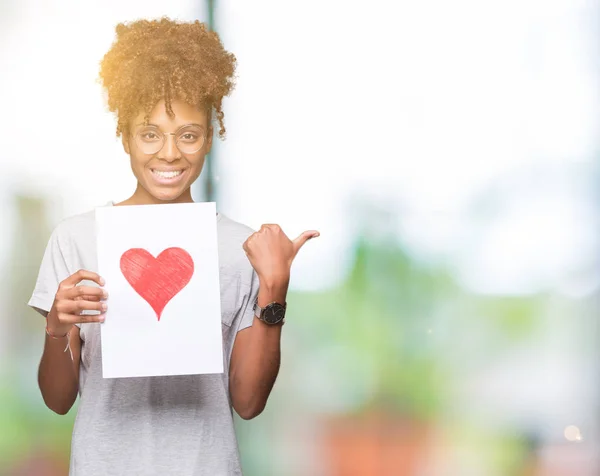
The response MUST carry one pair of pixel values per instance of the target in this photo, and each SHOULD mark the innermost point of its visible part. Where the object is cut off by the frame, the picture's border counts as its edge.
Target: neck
(142, 197)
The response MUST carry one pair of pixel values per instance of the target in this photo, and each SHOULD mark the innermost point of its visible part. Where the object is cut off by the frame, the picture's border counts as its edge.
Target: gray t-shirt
(175, 425)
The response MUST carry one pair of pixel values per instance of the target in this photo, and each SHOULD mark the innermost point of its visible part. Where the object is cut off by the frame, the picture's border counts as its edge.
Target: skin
(256, 352)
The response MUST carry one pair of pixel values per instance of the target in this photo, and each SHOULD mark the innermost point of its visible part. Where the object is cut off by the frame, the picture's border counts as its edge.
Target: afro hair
(154, 60)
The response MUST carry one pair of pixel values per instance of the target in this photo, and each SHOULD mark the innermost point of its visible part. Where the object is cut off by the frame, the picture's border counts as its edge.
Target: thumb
(303, 238)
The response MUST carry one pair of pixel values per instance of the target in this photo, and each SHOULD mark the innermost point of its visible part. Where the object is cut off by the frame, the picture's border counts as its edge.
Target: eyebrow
(184, 125)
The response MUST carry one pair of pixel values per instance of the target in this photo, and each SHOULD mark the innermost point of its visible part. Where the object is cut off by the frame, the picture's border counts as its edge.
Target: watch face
(274, 313)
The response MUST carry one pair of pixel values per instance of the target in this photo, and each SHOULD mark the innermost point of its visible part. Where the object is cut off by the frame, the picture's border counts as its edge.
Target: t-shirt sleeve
(248, 303)
(53, 270)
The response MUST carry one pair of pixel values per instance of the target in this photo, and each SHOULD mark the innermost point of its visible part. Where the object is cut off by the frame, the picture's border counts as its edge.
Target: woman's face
(165, 157)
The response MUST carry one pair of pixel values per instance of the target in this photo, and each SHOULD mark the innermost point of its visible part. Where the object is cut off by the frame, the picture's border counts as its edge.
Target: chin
(166, 195)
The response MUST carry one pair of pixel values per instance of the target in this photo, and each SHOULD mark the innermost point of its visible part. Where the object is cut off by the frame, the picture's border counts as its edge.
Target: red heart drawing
(159, 279)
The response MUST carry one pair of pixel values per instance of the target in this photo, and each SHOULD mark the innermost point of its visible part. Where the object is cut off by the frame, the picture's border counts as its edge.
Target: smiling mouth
(166, 174)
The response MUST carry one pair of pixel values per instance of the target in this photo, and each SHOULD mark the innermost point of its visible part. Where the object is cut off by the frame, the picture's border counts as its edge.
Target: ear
(209, 140)
(125, 142)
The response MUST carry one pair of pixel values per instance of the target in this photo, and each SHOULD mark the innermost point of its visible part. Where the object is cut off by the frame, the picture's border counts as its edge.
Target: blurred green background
(445, 322)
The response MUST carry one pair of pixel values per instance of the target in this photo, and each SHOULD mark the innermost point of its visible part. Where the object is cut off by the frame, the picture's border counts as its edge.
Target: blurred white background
(472, 126)
(426, 106)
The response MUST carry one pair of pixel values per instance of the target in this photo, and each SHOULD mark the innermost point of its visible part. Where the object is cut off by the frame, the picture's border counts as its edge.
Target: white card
(161, 267)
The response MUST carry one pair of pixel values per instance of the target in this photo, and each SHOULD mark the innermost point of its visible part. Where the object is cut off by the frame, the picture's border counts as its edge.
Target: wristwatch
(273, 313)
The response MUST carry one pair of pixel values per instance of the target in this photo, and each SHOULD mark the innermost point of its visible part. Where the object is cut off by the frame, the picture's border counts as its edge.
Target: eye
(149, 135)
(188, 137)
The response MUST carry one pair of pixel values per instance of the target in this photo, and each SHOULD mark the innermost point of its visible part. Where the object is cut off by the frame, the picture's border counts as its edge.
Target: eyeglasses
(188, 139)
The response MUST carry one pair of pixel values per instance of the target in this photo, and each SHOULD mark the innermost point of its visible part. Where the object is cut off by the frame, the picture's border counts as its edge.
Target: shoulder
(233, 231)
(74, 228)
(231, 236)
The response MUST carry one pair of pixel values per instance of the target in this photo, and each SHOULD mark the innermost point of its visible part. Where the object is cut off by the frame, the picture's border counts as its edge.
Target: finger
(87, 297)
(75, 307)
(81, 275)
(79, 292)
(303, 238)
(85, 318)
(81, 319)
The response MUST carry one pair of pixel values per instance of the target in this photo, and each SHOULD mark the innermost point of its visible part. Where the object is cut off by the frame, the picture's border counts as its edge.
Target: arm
(255, 357)
(255, 360)
(58, 375)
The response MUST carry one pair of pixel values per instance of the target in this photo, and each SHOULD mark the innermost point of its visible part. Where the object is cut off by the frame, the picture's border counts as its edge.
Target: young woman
(164, 80)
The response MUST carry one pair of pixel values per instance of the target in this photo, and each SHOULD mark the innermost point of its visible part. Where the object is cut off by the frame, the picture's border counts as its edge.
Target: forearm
(57, 377)
(252, 379)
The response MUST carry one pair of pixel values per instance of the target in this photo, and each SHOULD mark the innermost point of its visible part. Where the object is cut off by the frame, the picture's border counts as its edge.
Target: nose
(169, 151)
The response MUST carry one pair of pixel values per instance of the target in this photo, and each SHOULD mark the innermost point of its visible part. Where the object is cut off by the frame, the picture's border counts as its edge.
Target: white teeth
(167, 175)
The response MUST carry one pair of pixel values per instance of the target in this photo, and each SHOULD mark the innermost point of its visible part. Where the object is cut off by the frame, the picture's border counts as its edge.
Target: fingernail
(105, 295)
(102, 282)
(101, 317)
(104, 307)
